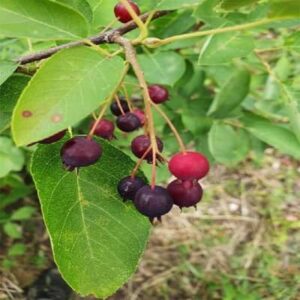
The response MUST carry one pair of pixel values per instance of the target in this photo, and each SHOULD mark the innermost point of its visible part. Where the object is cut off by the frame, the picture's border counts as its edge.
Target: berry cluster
(152, 200)
(185, 191)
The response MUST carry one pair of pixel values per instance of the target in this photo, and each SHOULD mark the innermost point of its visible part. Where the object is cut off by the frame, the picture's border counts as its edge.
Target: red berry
(142, 143)
(153, 203)
(189, 165)
(122, 13)
(104, 129)
(158, 93)
(185, 193)
(79, 152)
(54, 138)
(141, 115)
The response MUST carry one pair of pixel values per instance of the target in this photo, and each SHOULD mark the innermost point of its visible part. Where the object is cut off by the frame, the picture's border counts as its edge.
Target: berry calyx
(80, 152)
(128, 122)
(141, 144)
(104, 129)
(122, 13)
(153, 202)
(129, 186)
(158, 93)
(189, 165)
(54, 138)
(141, 115)
(116, 110)
(185, 193)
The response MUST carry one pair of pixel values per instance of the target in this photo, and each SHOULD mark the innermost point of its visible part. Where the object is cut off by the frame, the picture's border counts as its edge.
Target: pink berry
(105, 129)
(189, 165)
(122, 13)
(158, 93)
(141, 115)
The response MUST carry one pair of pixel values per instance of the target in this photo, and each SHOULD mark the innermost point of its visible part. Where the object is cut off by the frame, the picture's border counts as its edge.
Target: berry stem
(153, 178)
(101, 114)
(140, 161)
(143, 28)
(171, 125)
(97, 48)
(127, 98)
(154, 42)
(107, 102)
(131, 58)
(119, 104)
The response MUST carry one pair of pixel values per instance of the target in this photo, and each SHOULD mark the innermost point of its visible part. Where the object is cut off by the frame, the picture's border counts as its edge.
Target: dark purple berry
(153, 203)
(185, 193)
(54, 138)
(158, 93)
(116, 110)
(129, 186)
(128, 122)
(142, 143)
(80, 152)
(122, 13)
(104, 129)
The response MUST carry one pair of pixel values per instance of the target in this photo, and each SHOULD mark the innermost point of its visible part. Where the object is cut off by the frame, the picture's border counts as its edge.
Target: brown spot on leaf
(27, 114)
(56, 118)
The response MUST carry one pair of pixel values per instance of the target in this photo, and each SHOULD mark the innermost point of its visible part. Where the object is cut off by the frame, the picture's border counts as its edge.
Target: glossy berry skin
(141, 115)
(122, 13)
(142, 143)
(189, 166)
(129, 186)
(185, 193)
(153, 203)
(115, 109)
(54, 138)
(80, 152)
(128, 122)
(105, 129)
(158, 93)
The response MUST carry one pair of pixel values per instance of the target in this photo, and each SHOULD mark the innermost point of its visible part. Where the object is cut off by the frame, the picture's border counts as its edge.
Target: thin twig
(103, 38)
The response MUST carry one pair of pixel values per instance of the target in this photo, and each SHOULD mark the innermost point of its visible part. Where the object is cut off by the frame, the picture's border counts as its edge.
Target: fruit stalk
(131, 58)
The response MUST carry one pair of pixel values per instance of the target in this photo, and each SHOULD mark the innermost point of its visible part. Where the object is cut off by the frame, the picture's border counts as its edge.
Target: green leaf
(43, 19)
(284, 9)
(10, 91)
(12, 188)
(97, 239)
(17, 249)
(23, 213)
(162, 67)
(234, 4)
(81, 6)
(176, 4)
(228, 146)
(67, 88)
(103, 11)
(13, 230)
(11, 158)
(275, 135)
(231, 95)
(223, 48)
(206, 12)
(7, 68)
